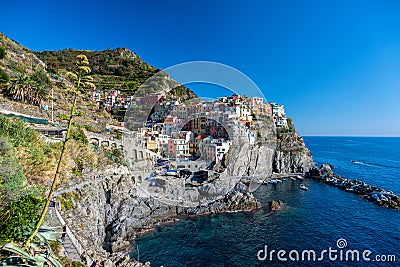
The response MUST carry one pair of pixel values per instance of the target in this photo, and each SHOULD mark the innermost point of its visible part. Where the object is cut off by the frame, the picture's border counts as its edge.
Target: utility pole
(52, 105)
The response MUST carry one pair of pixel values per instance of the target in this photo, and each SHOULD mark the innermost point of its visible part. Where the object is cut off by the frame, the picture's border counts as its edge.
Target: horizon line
(388, 136)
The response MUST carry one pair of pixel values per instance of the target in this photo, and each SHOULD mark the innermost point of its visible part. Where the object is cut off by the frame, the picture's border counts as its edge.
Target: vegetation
(3, 76)
(32, 89)
(118, 69)
(116, 155)
(19, 217)
(39, 253)
(68, 199)
(2, 52)
(20, 203)
(80, 78)
(26, 147)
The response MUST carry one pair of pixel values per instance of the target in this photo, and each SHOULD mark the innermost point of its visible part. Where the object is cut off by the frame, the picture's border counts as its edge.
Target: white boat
(300, 177)
(272, 182)
(172, 173)
(302, 186)
(294, 179)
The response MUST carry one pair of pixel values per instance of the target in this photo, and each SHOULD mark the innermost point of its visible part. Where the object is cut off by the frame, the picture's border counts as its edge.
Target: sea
(335, 224)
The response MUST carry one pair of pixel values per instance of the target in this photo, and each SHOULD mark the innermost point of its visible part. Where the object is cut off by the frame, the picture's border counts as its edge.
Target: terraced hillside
(44, 74)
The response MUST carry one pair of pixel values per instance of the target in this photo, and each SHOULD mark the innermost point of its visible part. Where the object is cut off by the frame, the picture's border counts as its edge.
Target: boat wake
(374, 164)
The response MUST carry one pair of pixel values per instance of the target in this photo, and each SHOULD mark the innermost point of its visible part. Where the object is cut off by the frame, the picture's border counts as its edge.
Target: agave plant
(39, 252)
(81, 79)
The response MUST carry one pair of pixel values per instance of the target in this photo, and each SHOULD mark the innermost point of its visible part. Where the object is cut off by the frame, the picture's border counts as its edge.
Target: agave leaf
(15, 249)
(35, 247)
(41, 238)
(54, 261)
(45, 237)
(40, 261)
(44, 228)
(19, 264)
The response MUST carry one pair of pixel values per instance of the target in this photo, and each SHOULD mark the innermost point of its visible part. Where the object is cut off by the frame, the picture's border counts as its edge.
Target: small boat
(294, 179)
(284, 179)
(300, 177)
(272, 182)
(383, 198)
(172, 172)
(302, 186)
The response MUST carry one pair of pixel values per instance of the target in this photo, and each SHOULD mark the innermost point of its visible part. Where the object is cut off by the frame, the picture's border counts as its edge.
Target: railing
(79, 248)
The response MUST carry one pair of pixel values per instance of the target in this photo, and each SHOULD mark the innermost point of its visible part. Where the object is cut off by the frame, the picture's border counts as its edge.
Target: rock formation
(109, 213)
(380, 196)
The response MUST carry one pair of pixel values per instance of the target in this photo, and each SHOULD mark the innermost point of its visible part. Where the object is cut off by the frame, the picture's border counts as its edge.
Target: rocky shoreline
(109, 213)
(237, 200)
(381, 197)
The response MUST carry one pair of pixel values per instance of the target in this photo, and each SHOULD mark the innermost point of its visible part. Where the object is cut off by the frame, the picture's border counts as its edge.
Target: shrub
(78, 134)
(3, 76)
(18, 219)
(116, 155)
(2, 52)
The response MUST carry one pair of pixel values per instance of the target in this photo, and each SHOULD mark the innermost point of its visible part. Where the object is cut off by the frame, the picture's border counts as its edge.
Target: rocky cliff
(107, 214)
(274, 151)
(291, 154)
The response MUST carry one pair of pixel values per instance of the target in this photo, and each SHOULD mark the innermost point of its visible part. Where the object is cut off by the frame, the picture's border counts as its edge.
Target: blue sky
(335, 65)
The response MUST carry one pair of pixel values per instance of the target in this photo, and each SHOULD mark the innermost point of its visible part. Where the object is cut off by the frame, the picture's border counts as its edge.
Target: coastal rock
(120, 260)
(272, 152)
(374, 194)
(326, 170)
(109, 213)
(292, 155)
(275, 205)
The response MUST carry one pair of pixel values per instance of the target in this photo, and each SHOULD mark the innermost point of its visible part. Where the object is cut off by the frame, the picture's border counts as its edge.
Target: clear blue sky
(335, 65)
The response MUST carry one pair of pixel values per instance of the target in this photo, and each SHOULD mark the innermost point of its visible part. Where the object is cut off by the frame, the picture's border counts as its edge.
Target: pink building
(150, 99)
(178, 148)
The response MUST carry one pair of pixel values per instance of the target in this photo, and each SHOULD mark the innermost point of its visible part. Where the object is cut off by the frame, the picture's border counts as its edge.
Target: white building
(281, 122)
(255, 101)
(213, 150)
(162, 142)
(278, 110)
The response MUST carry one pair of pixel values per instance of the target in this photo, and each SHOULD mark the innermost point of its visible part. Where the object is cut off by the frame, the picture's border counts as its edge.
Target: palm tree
(24, 89)
(18, 87)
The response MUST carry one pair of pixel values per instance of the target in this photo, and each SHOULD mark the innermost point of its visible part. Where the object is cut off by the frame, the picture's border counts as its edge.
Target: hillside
(118, 69)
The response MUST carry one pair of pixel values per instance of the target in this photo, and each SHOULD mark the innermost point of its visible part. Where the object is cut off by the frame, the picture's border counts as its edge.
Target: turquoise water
(313, 219)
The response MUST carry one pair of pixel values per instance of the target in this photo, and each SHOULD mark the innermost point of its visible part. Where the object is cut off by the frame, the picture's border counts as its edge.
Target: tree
(26, 88)
(80, 79)
(2, 52)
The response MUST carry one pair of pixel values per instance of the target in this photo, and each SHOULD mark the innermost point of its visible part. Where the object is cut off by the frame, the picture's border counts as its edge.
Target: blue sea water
(310, 220)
